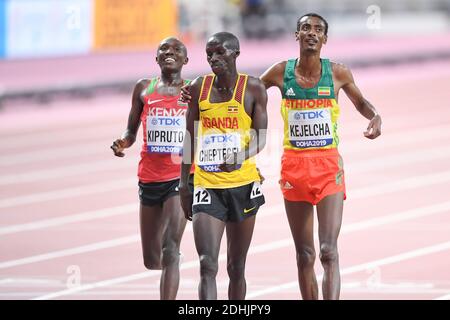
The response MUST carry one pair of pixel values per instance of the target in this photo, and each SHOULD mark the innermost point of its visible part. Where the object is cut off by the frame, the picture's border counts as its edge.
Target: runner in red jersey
(156, 104)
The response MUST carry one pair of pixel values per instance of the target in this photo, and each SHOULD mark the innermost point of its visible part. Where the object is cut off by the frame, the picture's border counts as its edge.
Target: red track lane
(85, 183)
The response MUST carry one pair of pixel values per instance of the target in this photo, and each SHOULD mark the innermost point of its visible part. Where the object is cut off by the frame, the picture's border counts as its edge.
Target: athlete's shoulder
(142, 84)
(197, 82)
(274, 75)
(278, 67)
(195, 87)
(144, 81)
(340, 70)
(254, 83)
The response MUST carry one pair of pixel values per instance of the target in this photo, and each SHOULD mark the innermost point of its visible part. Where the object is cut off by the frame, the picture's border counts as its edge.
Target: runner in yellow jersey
(230, 110)
(311, 168)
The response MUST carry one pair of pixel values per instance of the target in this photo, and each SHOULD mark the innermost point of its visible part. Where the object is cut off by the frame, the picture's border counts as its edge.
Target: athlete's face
(221, 57)
(171, 54)
(311, 34)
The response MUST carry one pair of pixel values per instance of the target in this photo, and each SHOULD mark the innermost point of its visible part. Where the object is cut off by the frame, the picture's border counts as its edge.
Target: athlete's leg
(329, 212)
(239, 236)
(208, 232)
(301, 217)
(170, 276)
(152, 227)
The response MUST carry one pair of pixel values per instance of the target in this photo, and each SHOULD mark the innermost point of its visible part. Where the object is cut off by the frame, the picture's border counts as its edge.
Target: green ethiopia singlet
(310, 115)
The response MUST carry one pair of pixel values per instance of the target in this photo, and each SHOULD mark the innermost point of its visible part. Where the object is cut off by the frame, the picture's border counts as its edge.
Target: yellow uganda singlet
(224, 128)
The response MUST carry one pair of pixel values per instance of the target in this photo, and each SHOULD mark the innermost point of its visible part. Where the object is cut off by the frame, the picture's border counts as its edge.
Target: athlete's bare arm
(137, 105)
(192, 115)
(343, 78)
(273, 77)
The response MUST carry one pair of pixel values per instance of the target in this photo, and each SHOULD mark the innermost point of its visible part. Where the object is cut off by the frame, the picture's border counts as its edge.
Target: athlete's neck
(226, 80)
(172, 79)
(309, 65)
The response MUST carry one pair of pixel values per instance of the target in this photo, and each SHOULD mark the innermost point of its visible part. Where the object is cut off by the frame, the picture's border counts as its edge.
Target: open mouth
(169, 60)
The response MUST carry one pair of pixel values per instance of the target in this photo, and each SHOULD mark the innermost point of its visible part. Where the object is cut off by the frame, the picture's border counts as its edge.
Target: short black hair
(231, 39)
(183, 47)
(312, 14)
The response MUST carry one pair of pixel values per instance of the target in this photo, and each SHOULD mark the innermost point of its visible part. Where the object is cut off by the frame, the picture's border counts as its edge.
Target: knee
(306, 257)
(170, 256)
(328, 253)
(152, 262)
(236, 270)
(208, 266)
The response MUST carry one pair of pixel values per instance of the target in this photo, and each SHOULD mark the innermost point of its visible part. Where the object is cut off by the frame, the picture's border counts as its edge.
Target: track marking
(362, 267)
(388, 219)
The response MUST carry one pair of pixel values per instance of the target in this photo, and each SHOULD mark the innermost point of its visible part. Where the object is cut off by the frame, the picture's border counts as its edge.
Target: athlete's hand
(186, 202)
(261, 177)
(231, 163)
(118, 146)
(185, 93)
(374, 128)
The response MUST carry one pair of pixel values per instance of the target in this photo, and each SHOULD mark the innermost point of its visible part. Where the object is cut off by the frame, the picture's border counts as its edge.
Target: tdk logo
(166, 121)
(218, 139)
(308, 115)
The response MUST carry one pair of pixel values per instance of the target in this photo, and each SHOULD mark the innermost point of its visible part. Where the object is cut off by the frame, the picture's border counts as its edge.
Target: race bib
(165, 134)
(310, 128)
(201, 196)
(215, 148)
(256, 190)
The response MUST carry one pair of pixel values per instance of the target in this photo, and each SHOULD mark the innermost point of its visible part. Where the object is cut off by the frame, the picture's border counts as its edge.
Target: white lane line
(397, 139)
(383, 188)
(273, 245)
(270, 167)
(361, 267)
(75, 218)
(63, 135)
(90, 189)
(404, 184)
(67, 252)
(402, 159)
(350, 146)
(129, 208)
(193, 291)
(66, 152)
(86, 168)
(104, 244)
(445, 297)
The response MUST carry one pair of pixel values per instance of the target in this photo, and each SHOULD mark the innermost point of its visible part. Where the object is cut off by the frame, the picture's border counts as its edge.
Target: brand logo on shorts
(287, 185)
(248, 210)
(290, 92)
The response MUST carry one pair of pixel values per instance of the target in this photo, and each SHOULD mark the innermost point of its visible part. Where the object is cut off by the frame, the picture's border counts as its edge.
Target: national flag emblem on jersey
(323, 91)
(233, 109)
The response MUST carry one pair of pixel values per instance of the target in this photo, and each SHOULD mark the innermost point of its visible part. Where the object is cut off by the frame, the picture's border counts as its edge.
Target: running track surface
(69, 208)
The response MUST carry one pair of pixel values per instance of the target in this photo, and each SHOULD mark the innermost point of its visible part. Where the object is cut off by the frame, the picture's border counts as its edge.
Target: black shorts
(233, 204)
(156, 193)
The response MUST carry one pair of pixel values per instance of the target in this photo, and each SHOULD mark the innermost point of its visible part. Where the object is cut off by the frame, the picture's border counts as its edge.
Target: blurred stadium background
(75, 46)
